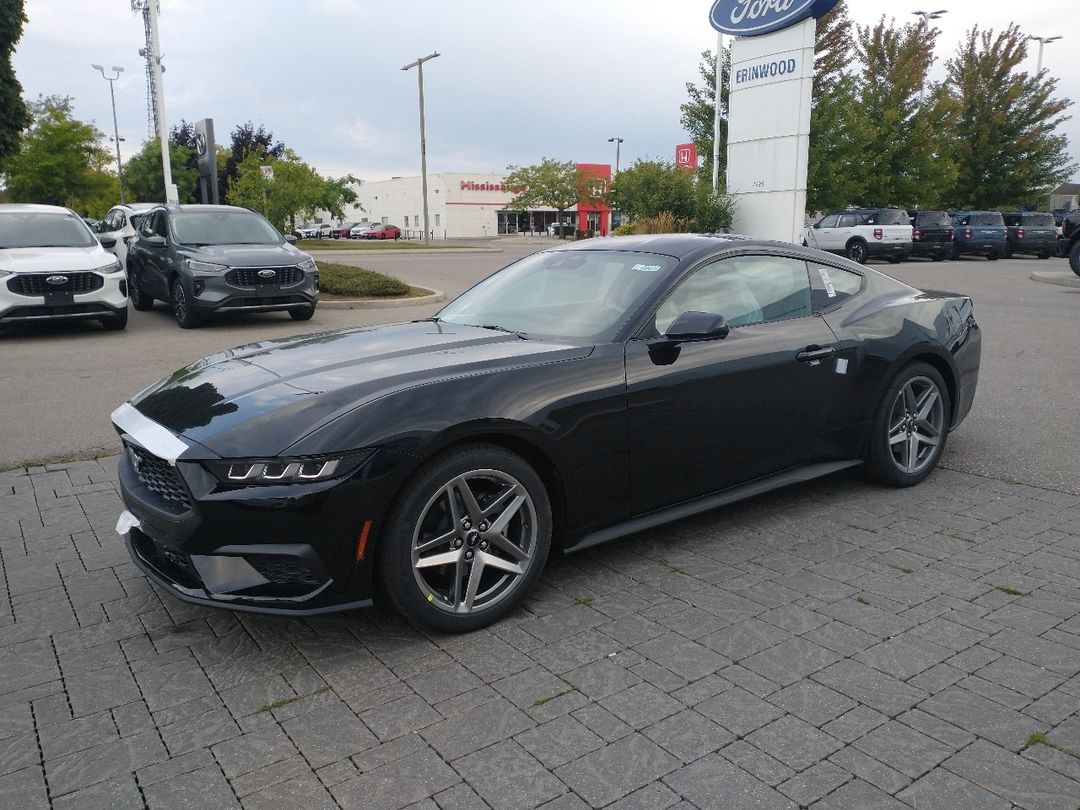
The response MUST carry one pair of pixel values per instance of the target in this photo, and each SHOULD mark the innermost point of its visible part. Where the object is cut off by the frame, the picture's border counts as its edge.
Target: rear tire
(465, 539)
(910, 427)
(1008, 251)
(136, 294)
(856, 251)
(1074, 256)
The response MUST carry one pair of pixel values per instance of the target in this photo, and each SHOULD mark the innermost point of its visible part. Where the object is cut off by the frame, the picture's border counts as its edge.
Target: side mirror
(290, 239)
(107, 241)
(817, 225)
(155, 240)
(698, 326)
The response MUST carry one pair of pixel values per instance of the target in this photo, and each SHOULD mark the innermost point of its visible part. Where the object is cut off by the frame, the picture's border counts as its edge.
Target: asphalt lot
(833, 645)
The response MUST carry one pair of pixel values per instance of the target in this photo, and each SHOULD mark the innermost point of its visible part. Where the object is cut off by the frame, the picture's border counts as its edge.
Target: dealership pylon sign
(772, 83)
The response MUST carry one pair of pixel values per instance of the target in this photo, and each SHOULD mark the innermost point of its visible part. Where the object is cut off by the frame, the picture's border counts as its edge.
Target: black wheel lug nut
(483, 527)
(483, 545)
(457, 542)
(468, 555)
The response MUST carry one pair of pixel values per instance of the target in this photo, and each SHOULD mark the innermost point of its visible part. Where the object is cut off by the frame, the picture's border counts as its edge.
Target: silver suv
(53, 267)
(863, 233)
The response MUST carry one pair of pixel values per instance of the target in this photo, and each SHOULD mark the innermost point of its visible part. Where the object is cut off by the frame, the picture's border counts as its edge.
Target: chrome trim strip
(156, 438)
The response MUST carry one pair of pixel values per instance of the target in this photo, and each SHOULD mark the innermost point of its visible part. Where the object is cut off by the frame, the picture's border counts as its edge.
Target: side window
(832, 286)
(829, 221)
(147, 224)
(746, 290)
(160, 224)
(847, 221)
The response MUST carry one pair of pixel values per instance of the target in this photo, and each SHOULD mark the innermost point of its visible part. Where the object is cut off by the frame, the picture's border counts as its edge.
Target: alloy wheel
(916, 425)
(474, 541)
(179, 302)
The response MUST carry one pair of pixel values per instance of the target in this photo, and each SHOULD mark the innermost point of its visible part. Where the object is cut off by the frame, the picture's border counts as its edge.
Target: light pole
(116, 129)
(419, 65)
(1043, 41)
(927, 16)
(618, 142)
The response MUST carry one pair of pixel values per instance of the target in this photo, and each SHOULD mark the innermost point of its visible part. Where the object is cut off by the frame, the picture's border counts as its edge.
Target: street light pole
(618, 142)
(927, 16)
(116, 129)
(1042, 42)
(419, 65)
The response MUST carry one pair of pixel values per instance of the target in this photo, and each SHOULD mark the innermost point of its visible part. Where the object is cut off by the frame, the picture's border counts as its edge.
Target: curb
(385, 303)
(1061, 279)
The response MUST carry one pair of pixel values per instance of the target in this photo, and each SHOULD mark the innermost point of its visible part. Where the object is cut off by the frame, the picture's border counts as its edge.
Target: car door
(711, 414)
(154, 255)
(817, 236)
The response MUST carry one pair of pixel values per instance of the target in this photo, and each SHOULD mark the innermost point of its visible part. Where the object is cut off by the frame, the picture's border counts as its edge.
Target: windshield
(223, 228)
(986, 218)
(22, 229)
(562, 294)
(932, 219)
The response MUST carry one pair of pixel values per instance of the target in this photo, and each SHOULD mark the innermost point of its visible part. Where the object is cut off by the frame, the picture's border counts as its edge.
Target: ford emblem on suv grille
(57, 281)
(267, 273)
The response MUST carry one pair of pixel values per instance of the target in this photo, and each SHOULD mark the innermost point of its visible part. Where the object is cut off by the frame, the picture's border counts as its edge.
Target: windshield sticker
(830, 290)
(647, 268)
(841, 365)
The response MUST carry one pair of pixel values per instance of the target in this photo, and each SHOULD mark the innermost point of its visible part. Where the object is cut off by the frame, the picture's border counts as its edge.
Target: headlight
(307, 264)
(113, 267)
(204, 267)
(247, 472)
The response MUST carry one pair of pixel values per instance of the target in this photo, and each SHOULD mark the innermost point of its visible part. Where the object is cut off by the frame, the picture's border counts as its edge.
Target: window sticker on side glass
(647, 268)
(830, 290)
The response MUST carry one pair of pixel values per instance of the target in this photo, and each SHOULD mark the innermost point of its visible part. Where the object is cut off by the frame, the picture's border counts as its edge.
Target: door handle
(815, 354)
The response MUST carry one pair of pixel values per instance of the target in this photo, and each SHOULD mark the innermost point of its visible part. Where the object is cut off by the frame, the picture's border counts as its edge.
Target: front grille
(283, 569)
(249, 276)
(160, 477)
(36, 284)
(173, 564)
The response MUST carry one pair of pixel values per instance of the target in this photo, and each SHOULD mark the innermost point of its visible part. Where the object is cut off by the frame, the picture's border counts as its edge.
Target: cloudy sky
(516, 82)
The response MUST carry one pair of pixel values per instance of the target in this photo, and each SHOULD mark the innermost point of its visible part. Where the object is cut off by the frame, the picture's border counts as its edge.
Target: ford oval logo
(267, 273)
(752, 18)
(57, 281)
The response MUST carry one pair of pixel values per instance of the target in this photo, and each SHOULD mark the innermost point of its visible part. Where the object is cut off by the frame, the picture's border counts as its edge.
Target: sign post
(206, 154)
(770, 94)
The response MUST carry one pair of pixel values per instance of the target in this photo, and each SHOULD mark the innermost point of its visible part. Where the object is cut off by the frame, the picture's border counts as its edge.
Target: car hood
(245, 255)
(53, 260)
(259, 399)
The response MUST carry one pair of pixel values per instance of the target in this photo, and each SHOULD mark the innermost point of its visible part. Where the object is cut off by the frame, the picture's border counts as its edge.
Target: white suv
(52, 266)
(121, 223)
(863, 233)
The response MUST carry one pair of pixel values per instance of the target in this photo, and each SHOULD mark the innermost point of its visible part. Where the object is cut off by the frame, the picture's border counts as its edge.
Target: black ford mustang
(580, 394)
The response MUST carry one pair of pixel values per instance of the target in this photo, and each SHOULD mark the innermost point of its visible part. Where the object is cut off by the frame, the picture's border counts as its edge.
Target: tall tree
(15, 117)
(909, 156)
(1009, 146)
(697, 115)
(60, 160)
(839, 137)
(552, 184)
(295, 190)
(247, 138)
(145, 181)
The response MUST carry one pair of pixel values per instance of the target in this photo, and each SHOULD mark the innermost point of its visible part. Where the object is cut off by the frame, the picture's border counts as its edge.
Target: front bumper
(240, 289)
(298, 549)
(106, 300)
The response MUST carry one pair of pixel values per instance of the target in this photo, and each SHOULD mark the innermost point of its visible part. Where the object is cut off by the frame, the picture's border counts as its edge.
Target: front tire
(116, 322)
(1074, 256)
(302, 314)
(466, 538)
(910, 427)
(181, 306)
(856, 251)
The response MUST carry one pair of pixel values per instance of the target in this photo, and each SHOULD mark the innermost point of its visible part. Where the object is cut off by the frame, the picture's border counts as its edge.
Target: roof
(670, 244)
(1068, 189)
(34, 208)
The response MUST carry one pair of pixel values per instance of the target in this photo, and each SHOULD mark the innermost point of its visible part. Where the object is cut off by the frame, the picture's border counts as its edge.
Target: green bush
(356, 282)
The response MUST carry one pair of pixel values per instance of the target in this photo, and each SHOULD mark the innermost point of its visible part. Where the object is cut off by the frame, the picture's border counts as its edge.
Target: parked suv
(53, 267)
(122, 223)
(979, 232)
(932, 234)
(863, 233)
(204, 259)
(1070, 236)
(1030, 232)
